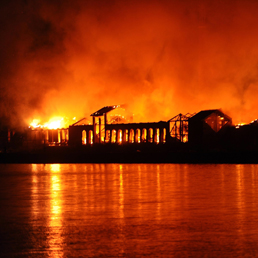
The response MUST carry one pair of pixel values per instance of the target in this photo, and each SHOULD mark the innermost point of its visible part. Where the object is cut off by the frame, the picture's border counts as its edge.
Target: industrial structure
(107, 128)
(113, 125)
(194, 128)
(208, 127)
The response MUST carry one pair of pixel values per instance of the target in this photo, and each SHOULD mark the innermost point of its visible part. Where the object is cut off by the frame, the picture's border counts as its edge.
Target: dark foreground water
(118, 210)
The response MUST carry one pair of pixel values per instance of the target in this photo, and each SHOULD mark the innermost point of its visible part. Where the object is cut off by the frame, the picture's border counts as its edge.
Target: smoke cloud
(70, 58)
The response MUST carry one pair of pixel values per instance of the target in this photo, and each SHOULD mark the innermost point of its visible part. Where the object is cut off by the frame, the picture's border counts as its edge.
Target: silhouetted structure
(245, 137)
(50, 137)
(111, 129)
(207, 127)
(111, 125)
(179, 127)
(207, 136)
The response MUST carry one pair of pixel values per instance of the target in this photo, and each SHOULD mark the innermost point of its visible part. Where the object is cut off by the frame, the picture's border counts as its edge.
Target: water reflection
(140, 210)
(34, 189)
(240, 188)
(158, 193)
(121, 192)
(139, 169)
(55, 238)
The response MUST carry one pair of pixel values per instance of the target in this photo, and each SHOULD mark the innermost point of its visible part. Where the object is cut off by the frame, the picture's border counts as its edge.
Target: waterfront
(128, 210)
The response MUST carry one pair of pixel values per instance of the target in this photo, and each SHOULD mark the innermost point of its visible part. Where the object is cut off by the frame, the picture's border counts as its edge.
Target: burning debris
(53, 123)
(114, 125)
(52, 133)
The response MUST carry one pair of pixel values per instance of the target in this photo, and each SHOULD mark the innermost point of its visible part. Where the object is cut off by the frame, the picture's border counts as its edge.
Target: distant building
(207, 127)
(245, 137)
(116, 128)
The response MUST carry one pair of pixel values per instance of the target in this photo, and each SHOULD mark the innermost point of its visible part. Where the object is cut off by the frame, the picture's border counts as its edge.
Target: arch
(137, 135)
(157, 135)
(101, 130)
(113, 136)
(164, 135)
(46, 136)
(84, 137)
(131, 136)
(58, 136)
(144, 135)
(90, 137)
(66, 135)
(150, 139)
(54, 135)
(63, 136)
(119, 136)
(125, 136)
(50, 135)
(107, 137)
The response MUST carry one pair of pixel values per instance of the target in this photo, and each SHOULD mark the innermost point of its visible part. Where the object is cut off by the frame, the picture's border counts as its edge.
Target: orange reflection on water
(55, 240)
(55, 167)
(158, 192)
(55, 201)
(240, 188)
(254, 184)
(121, 192)
(34, 189)
(139, 190)
(240, 200)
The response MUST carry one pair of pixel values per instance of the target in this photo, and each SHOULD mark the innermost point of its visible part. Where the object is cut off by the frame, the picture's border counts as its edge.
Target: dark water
(118, 210)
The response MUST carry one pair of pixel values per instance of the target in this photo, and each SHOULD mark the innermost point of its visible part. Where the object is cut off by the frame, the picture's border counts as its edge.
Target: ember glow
(53, 123)
(161, 57)
(240, 124)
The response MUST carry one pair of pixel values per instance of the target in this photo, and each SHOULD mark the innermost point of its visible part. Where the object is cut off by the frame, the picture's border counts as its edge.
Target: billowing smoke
(70, 58)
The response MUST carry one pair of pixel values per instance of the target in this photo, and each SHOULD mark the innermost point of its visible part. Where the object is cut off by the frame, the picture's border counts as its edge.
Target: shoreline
(132, 154)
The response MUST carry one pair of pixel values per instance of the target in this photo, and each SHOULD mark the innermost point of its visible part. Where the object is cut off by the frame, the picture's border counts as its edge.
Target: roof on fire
(106, 109)
(205, 113)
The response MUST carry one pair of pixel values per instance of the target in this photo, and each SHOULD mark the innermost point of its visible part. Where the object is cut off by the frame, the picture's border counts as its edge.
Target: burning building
(113, 136)
(203, 129)
(114, 127)
(207, 127)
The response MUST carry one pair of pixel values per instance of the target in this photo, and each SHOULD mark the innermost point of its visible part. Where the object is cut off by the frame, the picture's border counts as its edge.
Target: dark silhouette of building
(207, 128)
(113, 129)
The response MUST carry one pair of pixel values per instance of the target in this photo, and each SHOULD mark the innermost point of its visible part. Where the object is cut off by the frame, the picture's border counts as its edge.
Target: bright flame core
(53, 123)
(239, 125)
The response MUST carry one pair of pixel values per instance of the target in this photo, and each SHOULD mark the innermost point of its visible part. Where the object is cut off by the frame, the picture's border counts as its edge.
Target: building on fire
(208, 127)
(116, 128)
(197, 129)
(113, 125)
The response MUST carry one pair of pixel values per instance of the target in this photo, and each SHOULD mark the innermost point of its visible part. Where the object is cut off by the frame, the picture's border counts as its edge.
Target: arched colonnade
(138, 135)
(127, 133)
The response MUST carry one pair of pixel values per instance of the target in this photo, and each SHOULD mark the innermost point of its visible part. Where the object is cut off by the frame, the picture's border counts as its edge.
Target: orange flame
(53, 123)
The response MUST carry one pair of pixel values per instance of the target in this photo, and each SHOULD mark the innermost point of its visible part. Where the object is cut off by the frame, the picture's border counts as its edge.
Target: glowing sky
(70, 58)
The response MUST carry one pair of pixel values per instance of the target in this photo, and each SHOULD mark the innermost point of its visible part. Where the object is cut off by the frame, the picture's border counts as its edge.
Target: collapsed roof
(202, 115)
(106, 109)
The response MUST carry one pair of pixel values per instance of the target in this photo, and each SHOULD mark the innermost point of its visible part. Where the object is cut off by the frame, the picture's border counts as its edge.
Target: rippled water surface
(128, 210)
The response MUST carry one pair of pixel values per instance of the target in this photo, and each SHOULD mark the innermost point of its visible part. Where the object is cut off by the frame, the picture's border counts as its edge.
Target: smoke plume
(70, 58)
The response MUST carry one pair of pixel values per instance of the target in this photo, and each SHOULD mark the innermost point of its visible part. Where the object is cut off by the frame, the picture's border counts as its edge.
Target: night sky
(70, 58)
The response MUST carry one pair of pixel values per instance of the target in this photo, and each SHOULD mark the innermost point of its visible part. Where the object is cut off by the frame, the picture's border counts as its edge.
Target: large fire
(53, 123)
(163, 57)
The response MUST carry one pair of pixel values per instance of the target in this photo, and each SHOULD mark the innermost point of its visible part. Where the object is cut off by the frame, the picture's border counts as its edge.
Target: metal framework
(179, 126)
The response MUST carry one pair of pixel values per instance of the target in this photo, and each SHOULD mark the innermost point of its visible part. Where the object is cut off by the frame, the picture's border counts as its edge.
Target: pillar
(99, 130)
(94, 129)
